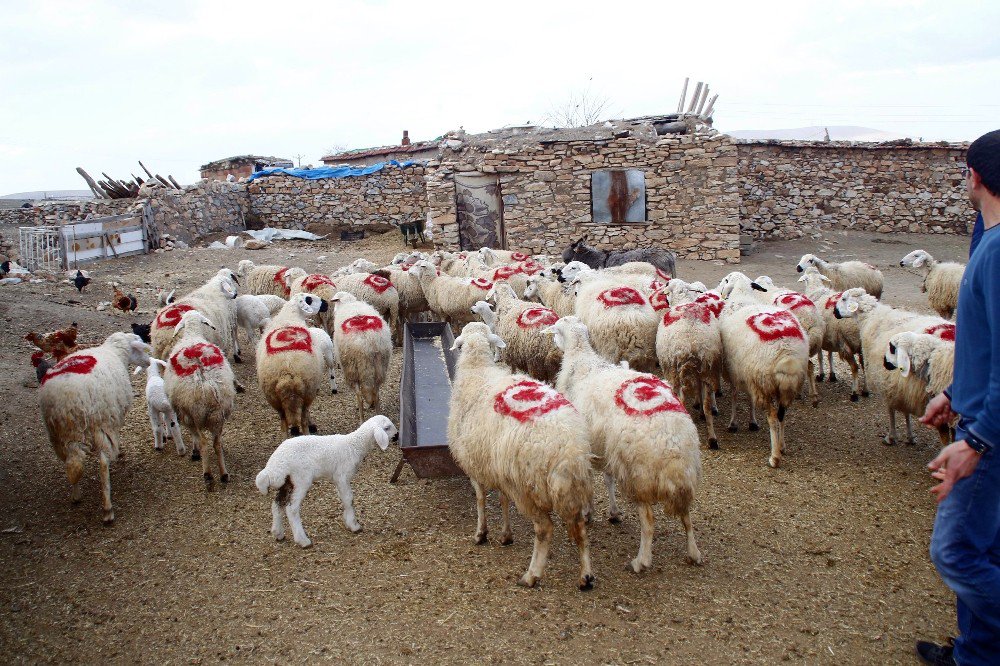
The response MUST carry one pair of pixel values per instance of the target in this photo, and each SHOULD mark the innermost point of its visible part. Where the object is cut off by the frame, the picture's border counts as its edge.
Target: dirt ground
(821, 561)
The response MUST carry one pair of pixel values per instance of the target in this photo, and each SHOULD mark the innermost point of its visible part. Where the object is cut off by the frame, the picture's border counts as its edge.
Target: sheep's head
(383, 430)
(291, 275)
(531, 289)
(475, 334)
(812, 277)
(730, 282)
(571, 271)
(311, 304)
(501, 290)
(488, 256)
(244, 267)
(806, 261)
(483, 309)
(422, 268)
(399, 258)
(900, 354)
(193, 319)
(132, 344)
(916, 259)
(566, 330)
(849, 303)
(766, 282)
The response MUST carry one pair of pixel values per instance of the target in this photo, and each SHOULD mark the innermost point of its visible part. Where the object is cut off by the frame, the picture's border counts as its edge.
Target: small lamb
(300, 461)
(162, 418)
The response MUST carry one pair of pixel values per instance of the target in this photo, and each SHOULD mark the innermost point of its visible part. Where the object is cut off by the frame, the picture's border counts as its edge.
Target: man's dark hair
(984, 157)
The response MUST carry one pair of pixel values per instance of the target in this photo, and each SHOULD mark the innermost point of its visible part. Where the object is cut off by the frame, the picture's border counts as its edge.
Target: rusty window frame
(621, 197)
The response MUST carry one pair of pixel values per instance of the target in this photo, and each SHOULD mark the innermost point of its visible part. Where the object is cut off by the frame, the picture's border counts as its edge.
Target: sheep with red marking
(551, 293)
(292, 363)
(927, 359)
(199, 383)
(364, 347)
(377, 290)
(252, 314)
(449, 297)
(640, 433)
(521, 437)
(84, 399)
(216, 300)
(320, 285)
(263, 279)
(621, 322)
(519, 324)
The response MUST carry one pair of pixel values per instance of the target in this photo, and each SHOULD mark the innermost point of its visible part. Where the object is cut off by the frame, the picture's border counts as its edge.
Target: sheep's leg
(715, 393)
(578, 534)
(944, 432)
(833, 375)
(890, 439)
(306, 419)
(732, 419)
(713, 440)
(105, 473)
(540, 554)
(346, 494)
(864, 377)
(614, 513)
(507, 535)
(292, 511)
(175, 431)
(481, 529)
(195, 445)
(277, 522)
(157, 427)
(822, 371)
(813, 391)
(776, 444)
(694, 555)
(333, 382)
(647, 526)
(114, 446)
(220, 456)
(849, 359)
(752, 426)
(361, 405)
(236, 345)
(909, 430)
(206, 470)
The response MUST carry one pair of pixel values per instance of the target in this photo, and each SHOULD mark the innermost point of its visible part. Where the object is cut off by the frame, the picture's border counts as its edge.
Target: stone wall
(376, 202)
(789, 188)
(692, 197)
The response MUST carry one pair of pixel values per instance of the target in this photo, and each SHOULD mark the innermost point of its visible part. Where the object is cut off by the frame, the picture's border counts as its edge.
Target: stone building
(241, 166)
(406, 151)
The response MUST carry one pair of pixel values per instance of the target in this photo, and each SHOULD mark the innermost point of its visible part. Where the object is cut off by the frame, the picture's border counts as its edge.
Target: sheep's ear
(228, 289)
(208, 322)
(497, 341)
(137, 370)
(903, 361)
(824, 278)
(180, 326)
(492, 293)
(381, 438)
(458, 343)
(754, 285)
(158, 362)
(852, 306)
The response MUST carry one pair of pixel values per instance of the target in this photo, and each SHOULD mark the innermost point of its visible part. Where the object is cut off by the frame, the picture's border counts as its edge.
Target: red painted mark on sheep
(520, 256)
(697, 311)
(536, 317)
(793, 301)
(655, 285)
(505, 272)
(712, 301)
(527, 400)
(663, 276)
(314, 281)
(770, 326)
(378, 283)
(482, 283)
(530, 267)
(81, 364)
(647, 395)
(171, 315)
(658, 299)
(620, 296)
(361, 323)
(831, 302)
(288, 338)
(943, 331)
(279, 278)
(201, 355)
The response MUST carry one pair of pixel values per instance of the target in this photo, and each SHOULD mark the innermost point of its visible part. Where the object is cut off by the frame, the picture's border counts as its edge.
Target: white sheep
(377, 290)
(632, 274)
(412, 300)
(252, 314)
(215, 300)
(551, 293)
(263, 279)
(942, 281)
(516, 435)
(299, 462)
(292, 362)
(199, 384)
(84, 399)
(520, 324)
(847, 274)
(364, 347)
(621, 321)
(640, 433)
(929, 360)
(839, 335)
(878, 323)
(320, 285)
(449, 297)
(162, 419)
(766, 355)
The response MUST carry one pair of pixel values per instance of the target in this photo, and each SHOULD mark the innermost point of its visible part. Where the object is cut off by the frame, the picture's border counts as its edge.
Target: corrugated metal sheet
(618, 196)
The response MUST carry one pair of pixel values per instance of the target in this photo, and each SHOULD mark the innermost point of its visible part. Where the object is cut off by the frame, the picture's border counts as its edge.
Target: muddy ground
(822, 561)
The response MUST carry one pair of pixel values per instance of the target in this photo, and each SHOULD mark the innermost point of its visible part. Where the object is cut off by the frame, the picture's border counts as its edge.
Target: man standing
(965, 546)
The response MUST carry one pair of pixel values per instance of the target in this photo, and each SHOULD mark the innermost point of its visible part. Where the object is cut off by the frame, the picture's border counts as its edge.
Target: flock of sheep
(562, 368)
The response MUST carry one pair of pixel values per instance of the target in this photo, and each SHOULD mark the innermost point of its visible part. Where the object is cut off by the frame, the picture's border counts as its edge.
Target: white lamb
(364, 347)
(516, 435)
(299, 462)
(640, 433)
(621, 321)
(520, 324)
(942, 281)
(252, 314)
(846, 275)
(84, 400)
(199, 383)
(162, 419)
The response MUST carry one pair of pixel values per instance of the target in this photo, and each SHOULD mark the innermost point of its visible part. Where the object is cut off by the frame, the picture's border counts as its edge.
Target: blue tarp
(328, 172)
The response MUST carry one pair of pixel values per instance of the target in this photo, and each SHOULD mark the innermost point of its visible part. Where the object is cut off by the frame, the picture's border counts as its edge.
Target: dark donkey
(595, 258)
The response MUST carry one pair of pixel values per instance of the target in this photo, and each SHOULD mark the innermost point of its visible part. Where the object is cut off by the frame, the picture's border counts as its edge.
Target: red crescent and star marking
(378, 283)
(279, 278)
(314, 281)
(188, 360)
(361, 323)
(537, 317)
(647, 395)
(943, 331)
(793, 301)
(832, 301)
(770, 326)
(288, 338)
(482, 283)
(171, 315)
(527, 400)
(81, 364)
(620, 296)
(698, 311)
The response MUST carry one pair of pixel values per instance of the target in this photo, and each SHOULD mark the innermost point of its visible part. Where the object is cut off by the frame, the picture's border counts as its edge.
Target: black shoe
(934, 654)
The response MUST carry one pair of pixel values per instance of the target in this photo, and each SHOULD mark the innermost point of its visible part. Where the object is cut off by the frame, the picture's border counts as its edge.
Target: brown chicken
(124, 302)
(58, 343)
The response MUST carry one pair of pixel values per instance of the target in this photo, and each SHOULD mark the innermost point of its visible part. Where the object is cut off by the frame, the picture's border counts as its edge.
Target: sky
(177, 84)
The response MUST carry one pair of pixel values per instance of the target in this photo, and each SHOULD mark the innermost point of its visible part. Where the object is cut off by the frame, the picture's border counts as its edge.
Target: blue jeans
(965, 548)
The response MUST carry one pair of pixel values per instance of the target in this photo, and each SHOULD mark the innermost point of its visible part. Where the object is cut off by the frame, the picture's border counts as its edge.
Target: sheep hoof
(294, 431)
(334, 392)
(313, 429)
(637, 566)
(865, 393)
(195, 454)
(713, 443)
(278, 536)
(481, 538)
(224, 478)
(527, 580)
(239, 387)
(854, 397)
(305, 543)
(587, 582)
(889, 441)
(615, 518)
(208, 478)
(695, 558)
(181, 450)
(820, 377)
(715, 411)
(815, 401)
(237, 359)
(753, 427)
(157, 448)
(108, 517)
(911, 442)
(507, 540)
(774, 461)
(833, 378)
(732, 427)
(718, 393)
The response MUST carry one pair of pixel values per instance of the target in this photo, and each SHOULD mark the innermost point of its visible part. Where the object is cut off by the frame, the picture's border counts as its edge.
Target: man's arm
(986, 424)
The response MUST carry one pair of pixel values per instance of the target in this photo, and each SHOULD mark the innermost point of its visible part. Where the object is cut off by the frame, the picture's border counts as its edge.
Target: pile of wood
(111, 188)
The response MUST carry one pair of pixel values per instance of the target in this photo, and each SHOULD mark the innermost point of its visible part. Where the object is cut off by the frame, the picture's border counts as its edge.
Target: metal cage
(41, 249)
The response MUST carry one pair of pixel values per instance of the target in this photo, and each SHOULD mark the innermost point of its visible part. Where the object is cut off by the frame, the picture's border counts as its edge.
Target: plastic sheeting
(269, 234)
(328, 172)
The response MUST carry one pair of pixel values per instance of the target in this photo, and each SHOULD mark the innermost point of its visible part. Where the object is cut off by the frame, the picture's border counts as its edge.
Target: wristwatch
(976, 444)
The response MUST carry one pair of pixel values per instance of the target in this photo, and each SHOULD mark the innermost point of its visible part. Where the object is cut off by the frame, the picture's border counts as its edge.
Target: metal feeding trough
(424, 393)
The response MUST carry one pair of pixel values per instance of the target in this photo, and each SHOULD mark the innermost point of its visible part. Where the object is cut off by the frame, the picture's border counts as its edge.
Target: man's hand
(956, 461)
(938, 412)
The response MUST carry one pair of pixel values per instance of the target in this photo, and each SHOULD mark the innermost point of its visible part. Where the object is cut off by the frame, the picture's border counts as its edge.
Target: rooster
(41, 364)
(80, 281)
(124, 302)
(58, 343)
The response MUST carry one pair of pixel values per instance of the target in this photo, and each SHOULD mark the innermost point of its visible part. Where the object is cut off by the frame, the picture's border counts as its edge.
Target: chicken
(80, 281)
(41, 364)
(58, 343)
(124, 302)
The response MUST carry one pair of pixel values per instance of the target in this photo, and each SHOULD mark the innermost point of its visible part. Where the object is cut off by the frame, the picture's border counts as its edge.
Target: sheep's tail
(570, 486)
(789, 374)
(264, 481)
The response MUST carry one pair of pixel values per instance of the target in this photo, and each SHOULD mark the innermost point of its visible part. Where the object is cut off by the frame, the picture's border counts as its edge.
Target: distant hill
(817, 133)
(69, 195)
